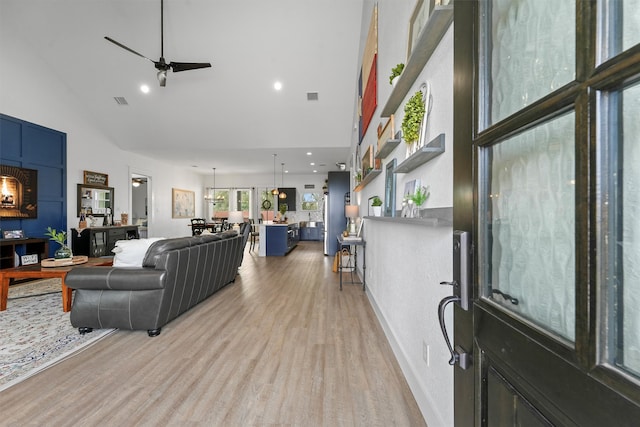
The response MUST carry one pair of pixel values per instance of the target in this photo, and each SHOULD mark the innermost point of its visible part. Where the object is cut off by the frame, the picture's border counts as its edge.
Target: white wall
(406, 262)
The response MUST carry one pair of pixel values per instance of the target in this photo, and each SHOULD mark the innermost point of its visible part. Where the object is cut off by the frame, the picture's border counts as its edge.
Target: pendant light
(275, 189)
(282, 195)
(211, 198)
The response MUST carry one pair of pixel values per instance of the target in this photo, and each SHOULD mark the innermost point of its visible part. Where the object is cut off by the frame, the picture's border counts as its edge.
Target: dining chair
(255, 233)
(198, 225)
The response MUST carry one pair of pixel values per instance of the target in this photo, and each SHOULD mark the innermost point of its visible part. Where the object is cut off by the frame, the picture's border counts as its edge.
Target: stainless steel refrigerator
(335, 220)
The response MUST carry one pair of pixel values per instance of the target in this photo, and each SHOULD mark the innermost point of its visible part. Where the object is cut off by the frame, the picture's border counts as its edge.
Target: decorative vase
(411, 148)
(377, 210)
(411, 211)
(63, 252)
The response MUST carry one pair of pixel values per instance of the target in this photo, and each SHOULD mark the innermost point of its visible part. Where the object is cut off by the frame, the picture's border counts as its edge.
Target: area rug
(35, 333)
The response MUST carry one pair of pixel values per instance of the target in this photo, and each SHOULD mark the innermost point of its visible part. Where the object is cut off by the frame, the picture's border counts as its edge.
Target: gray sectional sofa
(176, 274)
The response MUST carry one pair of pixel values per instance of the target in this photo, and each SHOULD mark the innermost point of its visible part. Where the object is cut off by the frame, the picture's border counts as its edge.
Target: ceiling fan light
(162, 77)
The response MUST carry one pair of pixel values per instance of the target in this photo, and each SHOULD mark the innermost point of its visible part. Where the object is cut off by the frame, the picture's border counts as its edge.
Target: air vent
(121, 100)
(312, 96)
(309, 186)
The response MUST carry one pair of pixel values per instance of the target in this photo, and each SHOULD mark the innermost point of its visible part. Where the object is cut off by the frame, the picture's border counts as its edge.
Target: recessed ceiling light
(144, 89)
(309, 153)
(315, 171)
(277, 85)
(312, 164)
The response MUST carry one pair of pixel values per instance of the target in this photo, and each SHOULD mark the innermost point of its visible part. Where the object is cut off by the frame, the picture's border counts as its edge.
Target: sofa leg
(154, 332)
(84, 330)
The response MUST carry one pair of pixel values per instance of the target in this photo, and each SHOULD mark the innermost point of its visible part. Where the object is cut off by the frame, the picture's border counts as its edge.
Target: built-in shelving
(367, 179)
(430, 37)
(433, 149)
(387, 148)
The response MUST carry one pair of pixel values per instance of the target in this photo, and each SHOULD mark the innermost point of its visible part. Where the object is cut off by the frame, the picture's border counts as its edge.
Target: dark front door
(547, 183)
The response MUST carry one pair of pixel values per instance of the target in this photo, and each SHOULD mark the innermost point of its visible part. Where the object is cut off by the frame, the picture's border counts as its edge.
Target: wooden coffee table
(36, 271)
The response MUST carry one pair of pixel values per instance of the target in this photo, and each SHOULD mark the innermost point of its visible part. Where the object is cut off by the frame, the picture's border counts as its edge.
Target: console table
(99, 241)
(342, 242)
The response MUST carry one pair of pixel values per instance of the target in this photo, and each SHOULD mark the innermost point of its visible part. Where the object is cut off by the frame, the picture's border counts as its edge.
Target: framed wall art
(417, 22)
(183, 203)
(367, 80)
(390, 189)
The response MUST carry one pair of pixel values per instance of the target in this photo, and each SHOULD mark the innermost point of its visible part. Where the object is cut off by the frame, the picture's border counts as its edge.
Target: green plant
(420, 196)
(58, 237)
(414, 111)
(395, 72)
(376, 201)
(283, 208)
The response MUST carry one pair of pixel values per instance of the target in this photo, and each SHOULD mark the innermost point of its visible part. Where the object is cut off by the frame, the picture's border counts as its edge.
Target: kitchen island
(278, 239)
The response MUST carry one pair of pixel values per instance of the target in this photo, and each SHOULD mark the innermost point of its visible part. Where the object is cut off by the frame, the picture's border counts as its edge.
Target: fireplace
(18, 192)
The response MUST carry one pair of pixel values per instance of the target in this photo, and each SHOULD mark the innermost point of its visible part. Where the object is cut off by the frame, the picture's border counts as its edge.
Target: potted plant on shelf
(376, 205)
(418, 198)
(59, 237)
(395, 74)
(414, 111)
(283, 210)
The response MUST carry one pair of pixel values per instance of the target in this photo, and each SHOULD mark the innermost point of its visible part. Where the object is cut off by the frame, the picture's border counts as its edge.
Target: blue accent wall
(31, 146)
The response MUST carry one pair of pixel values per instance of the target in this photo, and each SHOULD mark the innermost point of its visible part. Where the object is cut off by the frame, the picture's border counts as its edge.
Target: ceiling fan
(161, 65)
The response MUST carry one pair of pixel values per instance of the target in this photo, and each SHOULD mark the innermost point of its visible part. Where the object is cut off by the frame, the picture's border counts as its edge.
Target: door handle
(462, 294)
(458, 355)
(441, 307)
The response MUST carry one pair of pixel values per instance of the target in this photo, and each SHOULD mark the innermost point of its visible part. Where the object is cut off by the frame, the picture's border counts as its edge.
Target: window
(310, 201)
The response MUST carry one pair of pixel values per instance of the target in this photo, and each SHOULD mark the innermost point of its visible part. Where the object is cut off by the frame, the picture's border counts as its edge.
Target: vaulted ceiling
(228, 116)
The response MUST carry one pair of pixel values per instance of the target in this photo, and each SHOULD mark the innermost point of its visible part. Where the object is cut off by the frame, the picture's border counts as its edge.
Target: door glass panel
(620, 26)
(620, 241)
(528, 51)
(527, 243)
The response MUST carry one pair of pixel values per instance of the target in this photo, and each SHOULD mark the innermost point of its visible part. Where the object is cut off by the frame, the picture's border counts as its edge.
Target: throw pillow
(130, 253)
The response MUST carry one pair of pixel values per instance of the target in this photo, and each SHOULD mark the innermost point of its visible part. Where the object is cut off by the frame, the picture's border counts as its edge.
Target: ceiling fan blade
(127, 48)
(186, 66)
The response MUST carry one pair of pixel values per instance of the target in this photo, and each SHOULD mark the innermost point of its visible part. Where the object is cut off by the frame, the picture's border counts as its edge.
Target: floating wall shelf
(367, 179)
(439, 21)
(429, 217)
(387, 148)
(433, 149)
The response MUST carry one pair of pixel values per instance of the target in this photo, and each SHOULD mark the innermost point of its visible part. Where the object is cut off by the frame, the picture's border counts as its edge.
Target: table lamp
(235, 218)
(351, 212)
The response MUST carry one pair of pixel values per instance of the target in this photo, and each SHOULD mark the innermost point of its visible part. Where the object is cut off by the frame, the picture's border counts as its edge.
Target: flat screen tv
(18, 192)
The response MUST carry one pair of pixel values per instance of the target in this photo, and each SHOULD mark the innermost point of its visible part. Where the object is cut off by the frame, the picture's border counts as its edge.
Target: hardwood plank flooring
(280, 346)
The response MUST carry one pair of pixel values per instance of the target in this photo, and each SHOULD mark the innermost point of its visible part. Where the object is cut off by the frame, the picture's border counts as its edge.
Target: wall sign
(96, 178)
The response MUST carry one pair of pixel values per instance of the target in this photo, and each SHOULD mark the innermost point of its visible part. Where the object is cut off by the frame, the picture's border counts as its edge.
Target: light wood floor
(280, 346)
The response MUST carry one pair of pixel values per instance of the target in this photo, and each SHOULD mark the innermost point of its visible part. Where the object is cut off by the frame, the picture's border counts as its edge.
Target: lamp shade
(235, 217)
(352, 211)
